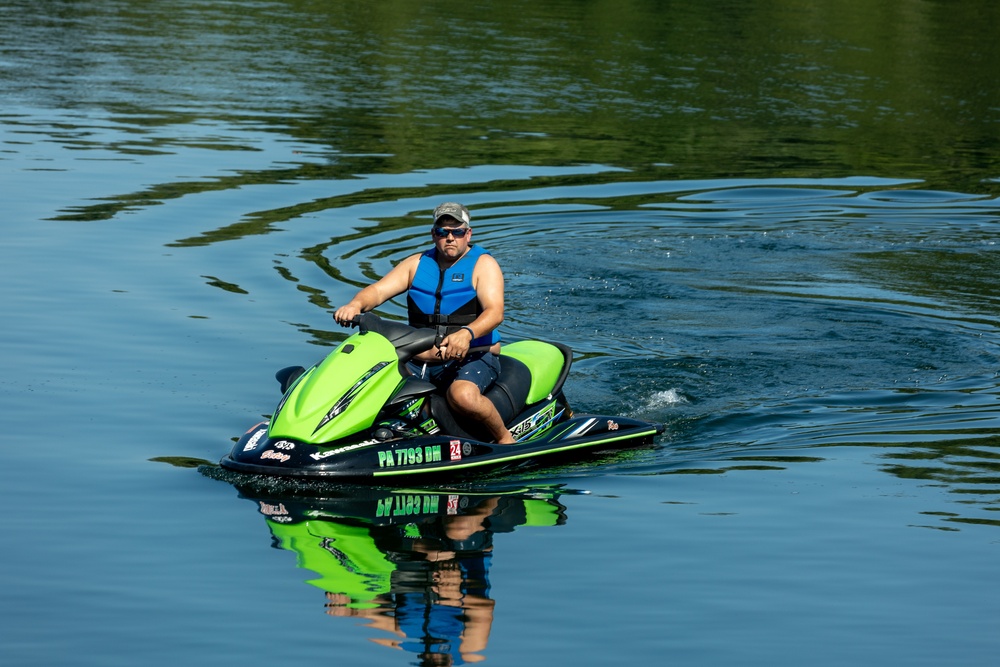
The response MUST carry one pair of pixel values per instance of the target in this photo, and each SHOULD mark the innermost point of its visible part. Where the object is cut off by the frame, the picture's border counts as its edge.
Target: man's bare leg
(464, 397)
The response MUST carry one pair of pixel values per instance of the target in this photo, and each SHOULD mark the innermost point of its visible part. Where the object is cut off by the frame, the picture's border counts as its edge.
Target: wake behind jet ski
(360, 415)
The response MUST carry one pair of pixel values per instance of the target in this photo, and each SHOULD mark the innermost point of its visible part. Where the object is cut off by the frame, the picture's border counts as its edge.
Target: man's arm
(393, 283)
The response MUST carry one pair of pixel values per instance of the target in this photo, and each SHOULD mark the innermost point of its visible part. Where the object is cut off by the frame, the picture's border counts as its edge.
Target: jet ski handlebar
(409, 341)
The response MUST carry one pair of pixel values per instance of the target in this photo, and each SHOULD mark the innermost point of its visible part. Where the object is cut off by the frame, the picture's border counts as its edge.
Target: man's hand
(456, 345)
(345, 314)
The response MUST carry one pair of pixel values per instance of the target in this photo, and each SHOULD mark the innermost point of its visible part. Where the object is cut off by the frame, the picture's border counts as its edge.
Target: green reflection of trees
(902, 88)
(784, 87)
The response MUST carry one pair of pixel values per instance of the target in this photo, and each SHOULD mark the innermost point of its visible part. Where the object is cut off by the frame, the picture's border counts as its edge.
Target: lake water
(771, 226)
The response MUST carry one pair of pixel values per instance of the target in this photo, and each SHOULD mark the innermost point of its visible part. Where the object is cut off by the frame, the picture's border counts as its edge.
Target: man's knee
(466, 396)
(463, 392)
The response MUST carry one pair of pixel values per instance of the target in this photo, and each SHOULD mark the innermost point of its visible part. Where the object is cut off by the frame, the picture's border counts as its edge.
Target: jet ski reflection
(414, 564)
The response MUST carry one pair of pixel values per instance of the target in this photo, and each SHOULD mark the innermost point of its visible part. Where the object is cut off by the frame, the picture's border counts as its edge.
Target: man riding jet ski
(436, 398)
(456, 287)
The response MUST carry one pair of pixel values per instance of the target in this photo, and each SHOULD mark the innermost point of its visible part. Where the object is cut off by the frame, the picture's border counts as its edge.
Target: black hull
(434, 458)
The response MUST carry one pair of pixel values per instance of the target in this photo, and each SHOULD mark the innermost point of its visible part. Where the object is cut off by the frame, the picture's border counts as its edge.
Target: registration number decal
(408, 456)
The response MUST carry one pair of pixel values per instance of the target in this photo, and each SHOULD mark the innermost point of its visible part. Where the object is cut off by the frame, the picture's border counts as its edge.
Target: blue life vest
(446, 298)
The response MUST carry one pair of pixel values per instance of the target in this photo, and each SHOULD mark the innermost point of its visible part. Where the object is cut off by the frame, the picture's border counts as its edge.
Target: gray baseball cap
(454, 210)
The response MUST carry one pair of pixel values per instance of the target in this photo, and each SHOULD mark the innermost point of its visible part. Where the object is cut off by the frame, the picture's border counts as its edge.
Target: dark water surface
(772, 226)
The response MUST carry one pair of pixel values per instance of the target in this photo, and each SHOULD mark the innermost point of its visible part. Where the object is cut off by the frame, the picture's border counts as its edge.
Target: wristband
(471, 333)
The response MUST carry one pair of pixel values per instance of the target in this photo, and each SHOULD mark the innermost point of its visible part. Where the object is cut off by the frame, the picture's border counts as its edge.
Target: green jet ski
(360, 415)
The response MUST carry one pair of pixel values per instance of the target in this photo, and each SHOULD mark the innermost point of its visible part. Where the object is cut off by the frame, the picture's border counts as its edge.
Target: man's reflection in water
(425, 581)
(439, 605)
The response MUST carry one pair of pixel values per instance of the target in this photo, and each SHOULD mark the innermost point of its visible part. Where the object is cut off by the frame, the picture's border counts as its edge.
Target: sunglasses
(442, 232)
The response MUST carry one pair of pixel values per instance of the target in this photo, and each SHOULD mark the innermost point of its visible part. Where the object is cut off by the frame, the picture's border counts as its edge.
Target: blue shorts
(479, 368)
